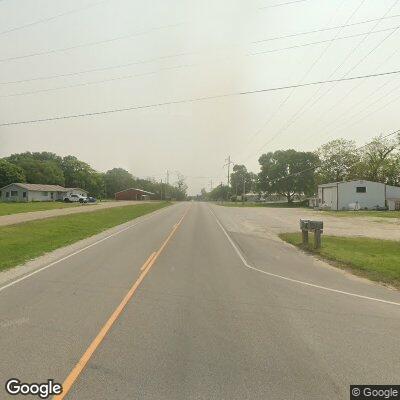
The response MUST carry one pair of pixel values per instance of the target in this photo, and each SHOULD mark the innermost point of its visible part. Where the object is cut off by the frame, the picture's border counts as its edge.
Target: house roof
(355, 180)
(137, 190)
(37, 187)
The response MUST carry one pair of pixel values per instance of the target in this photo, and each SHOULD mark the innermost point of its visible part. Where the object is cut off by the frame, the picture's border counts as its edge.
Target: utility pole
(244, 188)
(166, 186)
(161, 190)
(228, 163)
(211, 184)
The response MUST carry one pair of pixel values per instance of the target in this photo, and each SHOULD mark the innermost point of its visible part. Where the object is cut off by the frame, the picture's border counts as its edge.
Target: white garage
(358, 195)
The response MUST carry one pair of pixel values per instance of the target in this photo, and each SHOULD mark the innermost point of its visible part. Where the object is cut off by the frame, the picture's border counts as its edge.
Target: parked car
(92, 200)
(75, 198)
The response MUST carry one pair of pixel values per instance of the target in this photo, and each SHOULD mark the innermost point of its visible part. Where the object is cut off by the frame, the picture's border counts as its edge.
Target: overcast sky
(172, 50)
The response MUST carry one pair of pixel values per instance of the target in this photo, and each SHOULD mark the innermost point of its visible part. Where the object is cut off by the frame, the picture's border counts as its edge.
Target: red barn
(133, 194)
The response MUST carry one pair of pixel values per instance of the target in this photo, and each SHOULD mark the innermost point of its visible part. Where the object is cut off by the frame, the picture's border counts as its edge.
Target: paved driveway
(269, 222)
(31, 216)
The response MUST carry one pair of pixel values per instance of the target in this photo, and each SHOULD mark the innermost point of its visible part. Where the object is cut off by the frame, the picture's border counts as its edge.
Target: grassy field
(273, 205)
(375, 259)
(22, 242)
(17, 208)
(380, 214)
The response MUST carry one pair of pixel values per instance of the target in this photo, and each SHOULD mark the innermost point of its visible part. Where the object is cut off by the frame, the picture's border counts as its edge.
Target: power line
(282, 4)
(340, 101)
(46, 77)
(17, 28)
(88, 44)
(131, 76)
(152, 59)
(298, 114)
(197, 99)
(286, 99)
(324, 41)
(136, 75)
(324, 29)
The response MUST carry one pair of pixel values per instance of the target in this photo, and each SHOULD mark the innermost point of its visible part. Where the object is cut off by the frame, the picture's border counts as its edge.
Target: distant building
(37, 192)
(133, 194)
(358, 195)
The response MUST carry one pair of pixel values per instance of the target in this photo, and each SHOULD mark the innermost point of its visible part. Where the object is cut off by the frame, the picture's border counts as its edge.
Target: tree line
(52, 169)
(296, 174)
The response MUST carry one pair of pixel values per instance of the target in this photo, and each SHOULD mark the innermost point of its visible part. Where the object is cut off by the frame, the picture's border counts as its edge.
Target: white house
(36, 192)
(358, 195)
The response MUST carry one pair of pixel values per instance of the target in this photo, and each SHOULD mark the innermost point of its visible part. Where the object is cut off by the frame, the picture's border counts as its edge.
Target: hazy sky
(173, 50)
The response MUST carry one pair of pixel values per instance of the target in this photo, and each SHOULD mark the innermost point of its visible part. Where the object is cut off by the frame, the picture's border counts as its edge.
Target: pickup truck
(75, 198)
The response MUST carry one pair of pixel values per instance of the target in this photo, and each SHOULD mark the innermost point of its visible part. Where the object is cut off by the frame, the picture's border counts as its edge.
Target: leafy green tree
(338, 159)
(241, 179)
(219, 193)
(10, 173)
(380, 161)
(118, 179)
(39, 167)
(288, 173)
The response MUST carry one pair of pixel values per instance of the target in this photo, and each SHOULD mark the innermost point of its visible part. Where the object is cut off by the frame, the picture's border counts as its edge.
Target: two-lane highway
(214, 315)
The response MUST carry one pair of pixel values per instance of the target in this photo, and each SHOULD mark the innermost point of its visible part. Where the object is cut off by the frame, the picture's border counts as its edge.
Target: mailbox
(304, 224)
(316, 225)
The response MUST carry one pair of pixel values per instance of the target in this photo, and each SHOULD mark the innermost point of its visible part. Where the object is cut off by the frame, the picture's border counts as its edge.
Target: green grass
(272, 205)
(22, 242)
(8, 208)
(378, 260)
(381, 214)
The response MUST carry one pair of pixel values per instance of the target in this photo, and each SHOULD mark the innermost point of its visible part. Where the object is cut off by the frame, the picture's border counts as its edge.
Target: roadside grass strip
(378, 260)
(26, 241)
(18, 208)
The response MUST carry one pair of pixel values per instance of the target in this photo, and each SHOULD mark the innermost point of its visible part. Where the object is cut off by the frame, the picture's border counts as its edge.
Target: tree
(219, 193)
(288, 173)
(338, 160)
(241, 180)
(379, 161)
(77, 173)
(10, 173)
(118, 179)
(39, 167)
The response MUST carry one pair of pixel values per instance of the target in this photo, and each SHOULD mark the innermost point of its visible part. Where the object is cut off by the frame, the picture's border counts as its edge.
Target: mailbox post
(313, 226)
(317, 227)
(304, 231)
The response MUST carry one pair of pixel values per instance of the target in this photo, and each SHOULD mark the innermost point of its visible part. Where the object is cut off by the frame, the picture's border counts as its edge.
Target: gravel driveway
(34, 215)
(269, 222)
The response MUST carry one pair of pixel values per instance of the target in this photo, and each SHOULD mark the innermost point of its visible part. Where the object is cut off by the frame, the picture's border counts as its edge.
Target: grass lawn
(22, 242)
(381, 214)
(273, 205)
(375, 259)
(8, 208)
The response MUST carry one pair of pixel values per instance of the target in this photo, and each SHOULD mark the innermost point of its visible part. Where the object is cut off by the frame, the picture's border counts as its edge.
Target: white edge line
(78, 251)
(246, 264)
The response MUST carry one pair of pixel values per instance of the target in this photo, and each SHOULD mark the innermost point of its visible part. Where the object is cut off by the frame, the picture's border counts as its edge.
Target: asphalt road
(215, 315)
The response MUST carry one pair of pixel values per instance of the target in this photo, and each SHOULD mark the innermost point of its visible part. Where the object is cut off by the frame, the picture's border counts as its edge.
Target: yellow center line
(77, 370)
(144, 266)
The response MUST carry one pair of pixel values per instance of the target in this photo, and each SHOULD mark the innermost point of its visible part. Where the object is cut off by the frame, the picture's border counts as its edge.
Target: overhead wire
(196, 99)
(299, 113)
(324, 29)
(352, 14)
(40, 21)
(88, 44)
